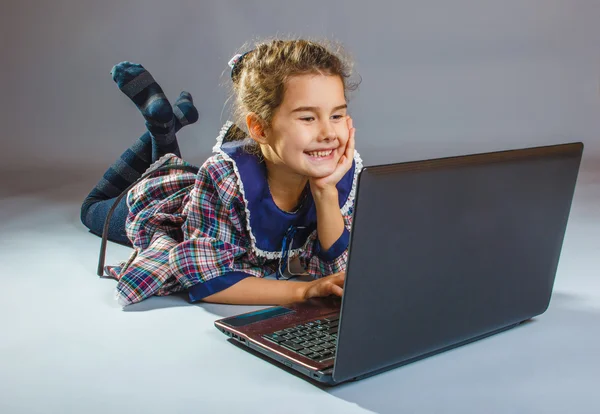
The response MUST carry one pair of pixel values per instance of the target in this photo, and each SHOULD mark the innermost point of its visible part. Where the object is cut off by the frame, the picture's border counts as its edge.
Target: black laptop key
(275, 337)
(314, 340)
(291, 345)
(332, 318)
(327, 354)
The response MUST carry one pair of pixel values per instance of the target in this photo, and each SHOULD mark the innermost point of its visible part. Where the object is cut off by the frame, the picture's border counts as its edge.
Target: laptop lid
(443, 251)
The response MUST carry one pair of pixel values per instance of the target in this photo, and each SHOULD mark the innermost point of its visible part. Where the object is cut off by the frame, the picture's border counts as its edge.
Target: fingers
(346, 159)
(338, 278)
(329, 285)
(336, 283)
(351, 142)
(351, 128)
(336, 290)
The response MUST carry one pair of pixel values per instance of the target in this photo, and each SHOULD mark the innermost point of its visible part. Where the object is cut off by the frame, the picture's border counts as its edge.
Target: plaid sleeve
(147, 272)
(213, 255)
(321, 263)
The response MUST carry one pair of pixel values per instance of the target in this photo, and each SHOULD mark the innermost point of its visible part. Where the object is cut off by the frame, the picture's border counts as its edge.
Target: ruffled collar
(267, 223)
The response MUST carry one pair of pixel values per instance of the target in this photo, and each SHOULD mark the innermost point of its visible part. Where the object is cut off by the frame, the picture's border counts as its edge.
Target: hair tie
(234, 60)
(234, 64)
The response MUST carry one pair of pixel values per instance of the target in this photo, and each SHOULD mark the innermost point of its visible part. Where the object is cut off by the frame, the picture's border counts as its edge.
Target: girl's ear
(256, 128)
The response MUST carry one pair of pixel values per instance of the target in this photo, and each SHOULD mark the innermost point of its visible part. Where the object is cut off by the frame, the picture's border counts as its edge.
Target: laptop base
(325, 377)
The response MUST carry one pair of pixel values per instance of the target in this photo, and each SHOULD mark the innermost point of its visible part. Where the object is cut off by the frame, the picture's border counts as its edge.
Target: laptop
(442, 252)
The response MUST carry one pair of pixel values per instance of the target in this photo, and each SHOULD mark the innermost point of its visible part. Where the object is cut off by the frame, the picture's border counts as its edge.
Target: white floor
(67, 347)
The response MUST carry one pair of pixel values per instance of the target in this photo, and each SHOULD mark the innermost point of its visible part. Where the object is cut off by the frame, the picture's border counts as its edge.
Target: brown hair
(259, 77)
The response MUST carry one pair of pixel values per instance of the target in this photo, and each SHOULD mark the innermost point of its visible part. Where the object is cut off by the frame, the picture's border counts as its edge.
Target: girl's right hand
(325, 286)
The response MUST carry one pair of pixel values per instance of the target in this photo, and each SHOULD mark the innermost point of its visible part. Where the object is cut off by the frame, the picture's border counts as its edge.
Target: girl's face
(309, 130)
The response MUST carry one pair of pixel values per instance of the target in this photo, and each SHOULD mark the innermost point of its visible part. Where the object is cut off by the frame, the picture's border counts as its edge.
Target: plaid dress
(205, 232)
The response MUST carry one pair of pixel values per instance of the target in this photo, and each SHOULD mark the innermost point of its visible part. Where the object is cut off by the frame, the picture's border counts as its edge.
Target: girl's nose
(327, 132)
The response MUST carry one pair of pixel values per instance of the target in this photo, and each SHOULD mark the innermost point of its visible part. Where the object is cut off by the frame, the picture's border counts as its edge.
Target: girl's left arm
(330, 223)
(323, 260)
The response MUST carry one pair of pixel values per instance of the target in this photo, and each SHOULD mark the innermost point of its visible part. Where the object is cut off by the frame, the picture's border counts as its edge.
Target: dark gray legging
(93, 216)
(124, 172)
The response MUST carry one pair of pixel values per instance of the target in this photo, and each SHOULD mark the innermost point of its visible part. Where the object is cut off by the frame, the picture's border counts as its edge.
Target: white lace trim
(263, 253)
(159, 162)
(350, 200)
(217, 149)
(224, 129)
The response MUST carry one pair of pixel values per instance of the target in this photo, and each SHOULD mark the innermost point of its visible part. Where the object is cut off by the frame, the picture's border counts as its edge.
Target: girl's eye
(338, 117)
(308, 118)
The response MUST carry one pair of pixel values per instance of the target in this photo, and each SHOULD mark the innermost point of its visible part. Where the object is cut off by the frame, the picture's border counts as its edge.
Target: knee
(85, 208)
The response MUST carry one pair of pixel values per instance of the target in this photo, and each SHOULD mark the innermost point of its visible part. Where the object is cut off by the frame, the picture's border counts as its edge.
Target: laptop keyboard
(315, 340)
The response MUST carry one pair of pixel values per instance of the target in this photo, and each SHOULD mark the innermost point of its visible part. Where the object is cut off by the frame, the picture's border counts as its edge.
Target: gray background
(439, 77)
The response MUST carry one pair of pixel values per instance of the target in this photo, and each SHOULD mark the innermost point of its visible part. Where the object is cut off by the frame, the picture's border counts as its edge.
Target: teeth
(320, 153)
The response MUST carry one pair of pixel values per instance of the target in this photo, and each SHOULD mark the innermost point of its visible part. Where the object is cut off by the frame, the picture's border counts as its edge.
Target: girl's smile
(321, 155)
(309, 131)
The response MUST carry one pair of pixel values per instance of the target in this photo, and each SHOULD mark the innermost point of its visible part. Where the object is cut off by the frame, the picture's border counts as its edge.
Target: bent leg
(94, 213)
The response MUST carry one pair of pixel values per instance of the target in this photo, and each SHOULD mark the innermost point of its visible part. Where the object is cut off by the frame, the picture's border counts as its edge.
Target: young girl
(277, 194)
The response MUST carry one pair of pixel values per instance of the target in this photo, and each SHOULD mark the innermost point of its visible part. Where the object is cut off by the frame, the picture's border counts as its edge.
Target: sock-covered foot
(139, 85)
(136, 160)
(184, 110)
